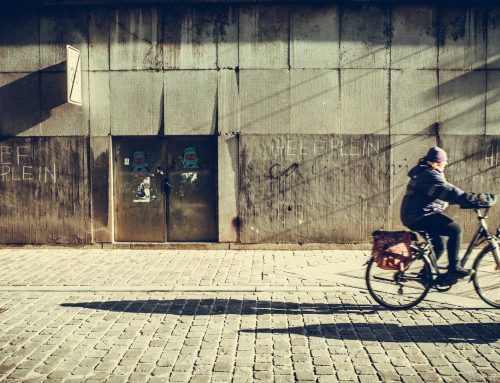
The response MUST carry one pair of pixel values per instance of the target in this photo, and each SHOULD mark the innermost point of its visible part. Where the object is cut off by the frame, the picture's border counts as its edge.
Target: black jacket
(427, 194)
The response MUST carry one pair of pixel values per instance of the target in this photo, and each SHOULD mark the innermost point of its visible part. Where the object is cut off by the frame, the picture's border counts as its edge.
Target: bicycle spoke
(491, 288)
(487, 278)
(395, 289)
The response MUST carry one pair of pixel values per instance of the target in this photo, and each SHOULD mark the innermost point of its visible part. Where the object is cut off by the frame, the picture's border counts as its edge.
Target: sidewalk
(75, 315)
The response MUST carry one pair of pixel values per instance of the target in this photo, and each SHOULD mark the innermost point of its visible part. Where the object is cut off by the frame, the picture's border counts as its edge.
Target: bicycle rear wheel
(487, 277)
(399, 290)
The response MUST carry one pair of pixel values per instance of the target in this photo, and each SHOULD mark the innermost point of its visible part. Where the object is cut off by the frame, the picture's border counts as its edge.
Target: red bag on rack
(392, 249)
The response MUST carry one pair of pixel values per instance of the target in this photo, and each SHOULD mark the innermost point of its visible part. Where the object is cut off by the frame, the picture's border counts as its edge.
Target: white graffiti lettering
(347, 147)
(18, 164)
(52, 174)
(5, 154)
(25, 173)
(20, 155)
(5, 171)
(492, 156)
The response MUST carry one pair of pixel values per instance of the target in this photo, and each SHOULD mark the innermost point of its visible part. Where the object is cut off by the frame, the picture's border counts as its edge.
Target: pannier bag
(391, 249)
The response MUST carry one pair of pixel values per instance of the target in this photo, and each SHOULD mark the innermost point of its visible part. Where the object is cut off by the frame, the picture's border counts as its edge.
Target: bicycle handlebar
(478, 201)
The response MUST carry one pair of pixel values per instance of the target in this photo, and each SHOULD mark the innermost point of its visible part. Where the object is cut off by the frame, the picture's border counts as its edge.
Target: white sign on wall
(74, 75)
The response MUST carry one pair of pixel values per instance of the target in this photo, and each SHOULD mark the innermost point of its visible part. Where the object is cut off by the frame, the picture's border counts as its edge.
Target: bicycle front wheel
(398, 290)
(487, 277)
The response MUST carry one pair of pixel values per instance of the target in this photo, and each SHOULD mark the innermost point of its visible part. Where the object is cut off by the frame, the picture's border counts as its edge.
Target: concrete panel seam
(289, 38)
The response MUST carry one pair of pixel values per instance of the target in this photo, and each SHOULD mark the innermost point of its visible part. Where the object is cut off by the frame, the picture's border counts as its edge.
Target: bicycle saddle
(422, 233)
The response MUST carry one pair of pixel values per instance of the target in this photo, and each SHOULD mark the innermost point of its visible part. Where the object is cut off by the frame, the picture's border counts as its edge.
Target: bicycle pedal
(445, 280)
(442, 288)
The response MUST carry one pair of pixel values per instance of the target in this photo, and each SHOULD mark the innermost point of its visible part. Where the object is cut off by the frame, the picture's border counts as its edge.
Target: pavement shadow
(221, 306)
(478, 333)
(218, 306)
(475, 333)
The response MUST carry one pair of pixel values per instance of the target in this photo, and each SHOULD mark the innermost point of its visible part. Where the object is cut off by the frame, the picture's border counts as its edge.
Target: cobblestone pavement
(73, 315)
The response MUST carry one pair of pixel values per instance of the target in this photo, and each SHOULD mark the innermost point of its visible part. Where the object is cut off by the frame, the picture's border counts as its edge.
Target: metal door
(191, 177)
(139, 198)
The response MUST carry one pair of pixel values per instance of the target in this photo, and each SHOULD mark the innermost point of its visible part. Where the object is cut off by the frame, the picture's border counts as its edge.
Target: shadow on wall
(28, 101)
(466, 91)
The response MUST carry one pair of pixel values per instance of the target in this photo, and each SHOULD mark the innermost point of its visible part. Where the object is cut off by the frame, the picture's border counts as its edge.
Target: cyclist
(428, 194)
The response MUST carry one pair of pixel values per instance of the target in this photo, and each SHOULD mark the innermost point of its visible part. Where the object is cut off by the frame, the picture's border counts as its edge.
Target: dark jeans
(439, 228)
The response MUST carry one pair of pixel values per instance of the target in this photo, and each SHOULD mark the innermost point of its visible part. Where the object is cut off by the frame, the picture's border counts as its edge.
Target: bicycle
(403, 289)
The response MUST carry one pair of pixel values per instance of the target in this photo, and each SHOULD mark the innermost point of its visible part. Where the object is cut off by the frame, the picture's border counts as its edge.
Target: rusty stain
(189, 28)
(172, 26)
(100, 191)
(236, 223)
(225, 19)
(457, 30)
(494, 20)
(271, 23)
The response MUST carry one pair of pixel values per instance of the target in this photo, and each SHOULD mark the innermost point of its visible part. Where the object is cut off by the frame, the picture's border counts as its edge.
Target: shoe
(459, 272)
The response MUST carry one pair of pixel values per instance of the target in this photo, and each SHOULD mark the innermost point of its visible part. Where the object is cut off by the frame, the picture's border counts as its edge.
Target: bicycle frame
(482, 235)
(388, 288)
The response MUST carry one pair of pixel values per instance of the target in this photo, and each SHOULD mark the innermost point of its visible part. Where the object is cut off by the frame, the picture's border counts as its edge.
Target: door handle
(160, 171)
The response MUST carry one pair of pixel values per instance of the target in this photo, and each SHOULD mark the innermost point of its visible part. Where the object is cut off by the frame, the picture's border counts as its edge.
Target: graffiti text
(16, 165)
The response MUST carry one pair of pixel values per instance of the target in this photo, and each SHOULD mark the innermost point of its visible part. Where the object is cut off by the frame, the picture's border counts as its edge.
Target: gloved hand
(477, 200)
(487, 199)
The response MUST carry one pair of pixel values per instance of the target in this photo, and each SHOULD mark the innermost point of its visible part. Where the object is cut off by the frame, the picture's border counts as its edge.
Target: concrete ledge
(197, 246)
(172, 246)
(300, 246)
(20, 246)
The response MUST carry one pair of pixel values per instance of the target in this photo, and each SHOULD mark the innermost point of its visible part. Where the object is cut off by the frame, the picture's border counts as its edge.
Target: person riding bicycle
(428, 194)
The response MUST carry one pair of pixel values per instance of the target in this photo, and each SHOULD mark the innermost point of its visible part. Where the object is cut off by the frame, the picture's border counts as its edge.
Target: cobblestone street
(75, 315)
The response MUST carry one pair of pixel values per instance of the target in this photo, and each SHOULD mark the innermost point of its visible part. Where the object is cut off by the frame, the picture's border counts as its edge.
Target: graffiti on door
(140, 178)
(190, 158)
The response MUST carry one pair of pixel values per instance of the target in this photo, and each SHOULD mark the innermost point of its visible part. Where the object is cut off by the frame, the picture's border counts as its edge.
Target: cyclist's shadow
(222, 306)
(386, 332)
(474, 333)
(218, 306)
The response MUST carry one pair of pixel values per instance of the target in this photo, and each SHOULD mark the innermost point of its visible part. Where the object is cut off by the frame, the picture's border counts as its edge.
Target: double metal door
(165, 189)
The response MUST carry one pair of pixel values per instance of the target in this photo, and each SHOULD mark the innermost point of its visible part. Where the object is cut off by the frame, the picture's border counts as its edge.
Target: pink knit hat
(436, 154)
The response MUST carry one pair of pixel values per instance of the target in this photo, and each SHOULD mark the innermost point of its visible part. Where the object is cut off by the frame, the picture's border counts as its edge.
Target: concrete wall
(308, 187)
(44, 186)
(406, 76)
